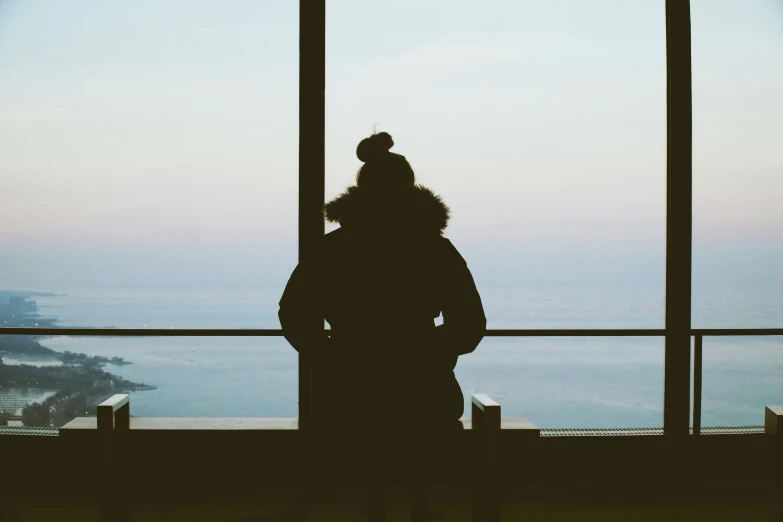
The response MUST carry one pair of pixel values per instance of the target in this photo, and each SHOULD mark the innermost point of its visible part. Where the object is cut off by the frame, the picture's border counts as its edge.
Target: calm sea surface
(555, 382)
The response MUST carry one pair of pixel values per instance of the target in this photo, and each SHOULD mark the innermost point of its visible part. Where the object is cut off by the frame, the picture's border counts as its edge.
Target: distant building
(15, 304)
(20, 305)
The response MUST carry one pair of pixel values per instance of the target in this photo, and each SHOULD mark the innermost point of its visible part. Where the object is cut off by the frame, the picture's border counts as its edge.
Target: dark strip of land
(81, 380)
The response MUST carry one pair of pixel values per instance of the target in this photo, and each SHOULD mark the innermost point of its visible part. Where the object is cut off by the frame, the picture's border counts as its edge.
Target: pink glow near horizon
(152, 124)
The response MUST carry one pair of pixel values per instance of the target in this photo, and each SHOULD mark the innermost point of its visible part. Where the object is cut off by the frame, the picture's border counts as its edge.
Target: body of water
(555, 382)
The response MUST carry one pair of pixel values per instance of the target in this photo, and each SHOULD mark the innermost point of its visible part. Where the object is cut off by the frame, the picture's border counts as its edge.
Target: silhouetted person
(385, 371)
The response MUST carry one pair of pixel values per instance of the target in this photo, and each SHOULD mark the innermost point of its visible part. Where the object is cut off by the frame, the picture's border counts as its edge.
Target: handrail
(253, 332)
(722, 332)
(697, 333)
(142, 332)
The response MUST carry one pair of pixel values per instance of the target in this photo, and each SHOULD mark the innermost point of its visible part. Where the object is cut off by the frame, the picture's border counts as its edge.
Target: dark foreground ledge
(187, 459)
(510, 451)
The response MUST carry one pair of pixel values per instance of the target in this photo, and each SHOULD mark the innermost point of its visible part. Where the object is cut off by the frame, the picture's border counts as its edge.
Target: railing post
(698, 371)
(485, 424)
(773, 421)
(114, 413)
(679, 176)
(113, 418)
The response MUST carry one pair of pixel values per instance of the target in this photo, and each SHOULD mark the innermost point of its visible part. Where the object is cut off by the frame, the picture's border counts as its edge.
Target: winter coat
(380, 281)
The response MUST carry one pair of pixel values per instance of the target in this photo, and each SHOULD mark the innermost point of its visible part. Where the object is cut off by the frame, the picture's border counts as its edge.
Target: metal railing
(698, 335)
(272, 332)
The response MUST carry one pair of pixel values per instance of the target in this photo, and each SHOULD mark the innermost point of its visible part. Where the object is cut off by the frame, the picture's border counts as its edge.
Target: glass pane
(741, 377)
(543, 127)
(737, 164)
(570, 382)
(737, 216)
(150, 154)
(150, 180)
(48, 382)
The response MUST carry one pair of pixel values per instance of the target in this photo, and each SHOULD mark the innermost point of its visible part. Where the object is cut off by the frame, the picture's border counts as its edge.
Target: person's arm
(464, 322)
(301, 317)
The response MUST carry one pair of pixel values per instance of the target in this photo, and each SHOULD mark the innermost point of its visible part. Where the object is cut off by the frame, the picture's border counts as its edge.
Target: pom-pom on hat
(374, 147)
(381, 166)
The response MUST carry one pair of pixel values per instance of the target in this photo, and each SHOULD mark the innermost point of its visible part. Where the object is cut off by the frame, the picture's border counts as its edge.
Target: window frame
(678, 330)
(312, 74)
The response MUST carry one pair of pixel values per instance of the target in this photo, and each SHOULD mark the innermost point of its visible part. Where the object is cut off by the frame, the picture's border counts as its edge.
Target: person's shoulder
(324, 246)
(445, 243)
(334, 242)
(334, 237)
(446, 249)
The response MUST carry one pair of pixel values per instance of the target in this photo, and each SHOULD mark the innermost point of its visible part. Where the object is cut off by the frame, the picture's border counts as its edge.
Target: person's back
(384, 283)
(380, 282)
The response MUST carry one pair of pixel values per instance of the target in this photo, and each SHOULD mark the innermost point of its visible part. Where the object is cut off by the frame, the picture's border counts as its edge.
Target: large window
(543, 126)
(149, 180)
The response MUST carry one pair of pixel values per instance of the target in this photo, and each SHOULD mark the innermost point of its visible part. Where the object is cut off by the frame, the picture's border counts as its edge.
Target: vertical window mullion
(679, 188)
(312, 74)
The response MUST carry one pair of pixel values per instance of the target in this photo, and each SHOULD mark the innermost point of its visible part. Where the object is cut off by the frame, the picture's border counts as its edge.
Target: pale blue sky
(155, 141)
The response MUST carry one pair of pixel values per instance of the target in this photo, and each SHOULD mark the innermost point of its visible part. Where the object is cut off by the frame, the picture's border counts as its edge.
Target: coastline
(80, 380)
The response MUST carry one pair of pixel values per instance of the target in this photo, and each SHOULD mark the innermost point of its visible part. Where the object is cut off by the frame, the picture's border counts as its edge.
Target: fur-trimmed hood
(415, 207)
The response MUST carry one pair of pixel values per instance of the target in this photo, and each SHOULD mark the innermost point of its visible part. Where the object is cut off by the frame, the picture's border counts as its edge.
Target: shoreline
(142, 387)
(31, 346)
(80, 381)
